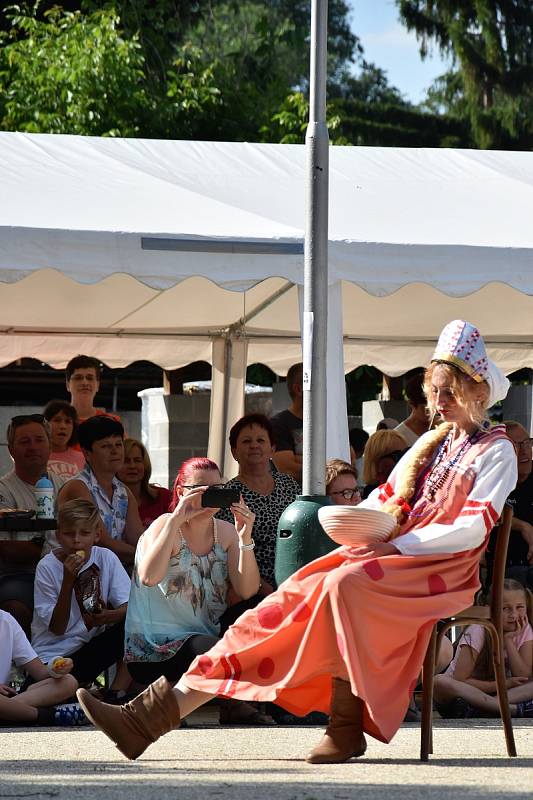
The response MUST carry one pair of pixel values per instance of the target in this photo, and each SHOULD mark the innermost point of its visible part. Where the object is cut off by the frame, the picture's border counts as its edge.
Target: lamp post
(300, 536)
(315, 314)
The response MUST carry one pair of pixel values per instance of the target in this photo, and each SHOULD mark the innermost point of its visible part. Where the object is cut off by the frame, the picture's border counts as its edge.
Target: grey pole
(315, 317)
(300, 536)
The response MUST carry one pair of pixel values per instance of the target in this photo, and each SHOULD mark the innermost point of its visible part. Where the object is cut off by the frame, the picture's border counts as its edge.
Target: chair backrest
(500, 557)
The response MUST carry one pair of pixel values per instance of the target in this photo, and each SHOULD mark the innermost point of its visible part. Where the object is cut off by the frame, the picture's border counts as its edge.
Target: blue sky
(390, 46)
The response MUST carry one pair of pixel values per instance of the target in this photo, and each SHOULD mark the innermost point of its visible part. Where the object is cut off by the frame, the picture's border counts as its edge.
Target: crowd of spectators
(69, 591)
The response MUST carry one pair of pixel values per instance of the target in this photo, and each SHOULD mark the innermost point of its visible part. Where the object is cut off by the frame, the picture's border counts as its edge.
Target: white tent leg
(227, 398)
(337, 441)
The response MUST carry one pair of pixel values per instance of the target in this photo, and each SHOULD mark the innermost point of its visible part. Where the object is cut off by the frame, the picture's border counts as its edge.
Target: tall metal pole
(315, 317)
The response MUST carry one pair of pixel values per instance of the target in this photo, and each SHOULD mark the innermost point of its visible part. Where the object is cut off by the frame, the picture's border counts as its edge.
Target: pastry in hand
(80, 553)
(60, 666)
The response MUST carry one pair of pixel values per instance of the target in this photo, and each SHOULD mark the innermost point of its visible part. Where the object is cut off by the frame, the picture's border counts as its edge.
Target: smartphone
(220, 498)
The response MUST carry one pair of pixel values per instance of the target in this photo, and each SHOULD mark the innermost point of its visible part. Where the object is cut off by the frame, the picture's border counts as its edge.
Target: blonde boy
(81, 596)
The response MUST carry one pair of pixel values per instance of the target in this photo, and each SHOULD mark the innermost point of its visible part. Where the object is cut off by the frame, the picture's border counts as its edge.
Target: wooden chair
(491, 618)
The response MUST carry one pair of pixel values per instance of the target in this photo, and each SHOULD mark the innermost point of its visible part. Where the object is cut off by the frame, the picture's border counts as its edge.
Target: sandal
(237, 712)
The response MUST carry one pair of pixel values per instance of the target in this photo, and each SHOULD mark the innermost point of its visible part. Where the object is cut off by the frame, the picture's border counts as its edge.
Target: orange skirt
(364, 620)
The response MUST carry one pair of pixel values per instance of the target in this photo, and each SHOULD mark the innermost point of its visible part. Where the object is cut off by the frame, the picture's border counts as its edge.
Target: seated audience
(519, 563)
(29, 446)
(81, 596)
(102, 442)
(468, 686)
(83, 382)
(341, 483)
(382, 452)
(135, 474)
(287, 428)
(418, 421)
(266, 492)
(35, 703)
(64, 459)
(185, 563)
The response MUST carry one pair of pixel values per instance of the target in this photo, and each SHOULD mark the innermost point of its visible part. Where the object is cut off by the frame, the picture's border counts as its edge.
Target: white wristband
(250, 546)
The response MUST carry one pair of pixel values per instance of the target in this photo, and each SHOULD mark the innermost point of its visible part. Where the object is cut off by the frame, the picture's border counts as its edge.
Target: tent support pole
(314, 333)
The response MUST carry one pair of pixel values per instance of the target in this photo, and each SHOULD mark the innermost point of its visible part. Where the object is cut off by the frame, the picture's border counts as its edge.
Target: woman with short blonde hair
(382, 452)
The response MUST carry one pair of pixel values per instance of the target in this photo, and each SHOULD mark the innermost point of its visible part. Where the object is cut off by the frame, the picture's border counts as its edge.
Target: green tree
(491, 46)
(369, 111)
(67, 72)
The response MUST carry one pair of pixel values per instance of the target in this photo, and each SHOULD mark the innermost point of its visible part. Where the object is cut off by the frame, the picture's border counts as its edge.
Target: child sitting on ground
(81, 597)
(34, 705)
(468, 688)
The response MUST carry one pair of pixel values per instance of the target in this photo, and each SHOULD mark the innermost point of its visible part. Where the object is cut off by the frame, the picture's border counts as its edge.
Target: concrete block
(192, 434)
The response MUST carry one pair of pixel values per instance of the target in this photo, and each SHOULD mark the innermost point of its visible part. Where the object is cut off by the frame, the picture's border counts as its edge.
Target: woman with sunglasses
(341, 483)
(382, 452)
(348, 632)
(185, 564)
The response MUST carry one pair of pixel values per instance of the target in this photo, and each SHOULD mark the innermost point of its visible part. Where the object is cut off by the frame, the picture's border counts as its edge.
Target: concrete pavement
(207, 761)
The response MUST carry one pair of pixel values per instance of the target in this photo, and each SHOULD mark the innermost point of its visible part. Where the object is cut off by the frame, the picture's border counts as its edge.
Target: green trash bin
(301, 537)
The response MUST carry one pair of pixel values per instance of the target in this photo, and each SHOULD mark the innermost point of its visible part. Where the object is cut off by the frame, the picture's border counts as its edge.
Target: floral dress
(188, 601)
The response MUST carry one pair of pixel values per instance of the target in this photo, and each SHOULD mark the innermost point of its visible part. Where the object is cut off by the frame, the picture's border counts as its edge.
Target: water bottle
(44, 498)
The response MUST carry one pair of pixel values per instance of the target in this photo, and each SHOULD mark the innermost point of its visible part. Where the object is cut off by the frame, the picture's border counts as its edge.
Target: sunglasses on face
(197, 485)
(348, 494)
(525, 444)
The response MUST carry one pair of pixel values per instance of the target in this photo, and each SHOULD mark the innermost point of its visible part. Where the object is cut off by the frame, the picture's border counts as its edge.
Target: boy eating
(81, 597)
(34, 705)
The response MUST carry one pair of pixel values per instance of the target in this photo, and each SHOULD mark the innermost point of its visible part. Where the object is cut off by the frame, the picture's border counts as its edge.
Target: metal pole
(315, 317)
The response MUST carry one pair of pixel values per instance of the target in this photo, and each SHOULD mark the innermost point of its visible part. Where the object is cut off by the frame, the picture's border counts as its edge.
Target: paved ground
(206, 761)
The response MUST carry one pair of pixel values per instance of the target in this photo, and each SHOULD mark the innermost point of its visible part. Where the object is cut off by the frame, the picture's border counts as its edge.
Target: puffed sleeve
(496, 475)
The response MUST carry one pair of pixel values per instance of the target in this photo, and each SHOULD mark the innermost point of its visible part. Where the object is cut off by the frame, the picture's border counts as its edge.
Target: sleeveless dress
(368, 620)
(188, 601)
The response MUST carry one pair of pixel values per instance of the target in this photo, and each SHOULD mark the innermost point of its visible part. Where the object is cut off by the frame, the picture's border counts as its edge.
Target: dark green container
(301, 537)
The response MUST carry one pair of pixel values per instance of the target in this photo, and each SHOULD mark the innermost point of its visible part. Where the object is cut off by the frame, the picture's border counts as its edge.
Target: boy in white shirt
(81, 597)
(35, 704)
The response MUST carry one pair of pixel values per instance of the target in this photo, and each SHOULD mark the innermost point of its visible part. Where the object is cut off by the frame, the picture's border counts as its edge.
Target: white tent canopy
(411, 233)
(136, 249)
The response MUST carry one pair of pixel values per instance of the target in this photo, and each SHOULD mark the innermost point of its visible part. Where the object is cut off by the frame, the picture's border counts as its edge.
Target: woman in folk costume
(347, 633)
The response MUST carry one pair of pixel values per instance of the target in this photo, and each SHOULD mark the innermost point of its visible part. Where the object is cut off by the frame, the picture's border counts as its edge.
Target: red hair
(185, 473)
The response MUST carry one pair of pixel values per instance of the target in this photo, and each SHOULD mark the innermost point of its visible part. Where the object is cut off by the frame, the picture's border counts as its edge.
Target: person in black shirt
(287, 427)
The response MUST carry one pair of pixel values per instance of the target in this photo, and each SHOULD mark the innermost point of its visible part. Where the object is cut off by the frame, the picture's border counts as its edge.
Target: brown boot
(135, 725)
(343, 738)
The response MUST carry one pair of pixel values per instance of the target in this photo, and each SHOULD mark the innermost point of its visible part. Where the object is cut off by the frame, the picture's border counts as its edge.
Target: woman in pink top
(65, 459)
(468, 687)
(348, 632)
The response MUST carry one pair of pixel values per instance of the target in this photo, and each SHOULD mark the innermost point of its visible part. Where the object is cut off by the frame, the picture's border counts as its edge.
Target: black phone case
(220, 498)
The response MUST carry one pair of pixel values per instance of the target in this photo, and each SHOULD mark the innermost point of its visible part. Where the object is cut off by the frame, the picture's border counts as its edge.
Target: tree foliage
(491, 45)
(67, 72)
(208, 69)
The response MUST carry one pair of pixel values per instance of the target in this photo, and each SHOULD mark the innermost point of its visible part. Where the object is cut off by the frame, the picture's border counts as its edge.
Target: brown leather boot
(135, 725)
(343, 738)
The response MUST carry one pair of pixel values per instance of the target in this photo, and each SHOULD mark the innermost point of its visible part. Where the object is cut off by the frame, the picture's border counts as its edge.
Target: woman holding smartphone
(184, 565)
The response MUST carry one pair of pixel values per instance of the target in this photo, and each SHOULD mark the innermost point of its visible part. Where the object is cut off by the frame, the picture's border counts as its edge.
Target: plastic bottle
(44, 498)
